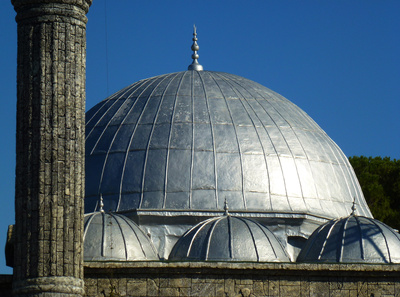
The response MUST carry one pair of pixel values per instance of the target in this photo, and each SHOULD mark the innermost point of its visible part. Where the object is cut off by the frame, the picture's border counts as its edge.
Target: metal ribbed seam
(237, 141)
(280, 164)
(213, 142)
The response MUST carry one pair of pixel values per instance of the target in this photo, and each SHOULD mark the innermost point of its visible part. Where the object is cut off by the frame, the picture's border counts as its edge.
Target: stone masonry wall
(50, 146)
(240, 279)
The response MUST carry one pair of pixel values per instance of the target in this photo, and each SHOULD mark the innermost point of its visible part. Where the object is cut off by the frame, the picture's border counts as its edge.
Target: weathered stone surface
(203, 289)
(319, 289)
(273, 286)
(137, 287)
(169, 292)
(229, 286)
(240, 279)
(50, 146)
(152, 287)
(258, 288)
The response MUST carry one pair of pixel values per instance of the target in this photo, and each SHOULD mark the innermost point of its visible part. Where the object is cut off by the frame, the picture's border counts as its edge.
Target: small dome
(115, 237)
(229, 238)
(353, 239)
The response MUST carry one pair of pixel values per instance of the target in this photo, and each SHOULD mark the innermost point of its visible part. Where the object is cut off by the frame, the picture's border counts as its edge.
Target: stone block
(380, 289)
(397, 289)
(339, 293)
(258, 288)
(152, 287)
(362, 289)
(183, 282)
(220, 290)
(104, 286)
(136, 288)
(167, 292)
(184, 291)
(164, 282)
(246, 281)
(355, 293)
(229, 286)
(203, 289)
(348, 284)
(245, 292)
(273, 287)
(304, 287)
(289, 290)
(91, 287)
(319, 289)
(199, 280)
(122, 286)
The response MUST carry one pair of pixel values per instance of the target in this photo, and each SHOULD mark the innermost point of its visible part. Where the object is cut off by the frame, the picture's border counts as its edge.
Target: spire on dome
(226, 208)
(353, 208)
(195, 47)
(101, 203)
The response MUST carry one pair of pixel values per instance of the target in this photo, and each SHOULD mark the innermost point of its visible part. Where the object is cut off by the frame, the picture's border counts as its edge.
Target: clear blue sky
(339, 60)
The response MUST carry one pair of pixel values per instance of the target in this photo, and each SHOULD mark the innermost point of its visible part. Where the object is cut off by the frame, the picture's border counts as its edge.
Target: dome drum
(166, 227)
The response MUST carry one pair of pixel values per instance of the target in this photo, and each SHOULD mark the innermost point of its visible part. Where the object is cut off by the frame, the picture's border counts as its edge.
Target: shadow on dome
(353, 239)
(114, 237)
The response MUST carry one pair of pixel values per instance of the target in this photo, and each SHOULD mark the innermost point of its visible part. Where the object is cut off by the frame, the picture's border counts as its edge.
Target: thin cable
(106, 35)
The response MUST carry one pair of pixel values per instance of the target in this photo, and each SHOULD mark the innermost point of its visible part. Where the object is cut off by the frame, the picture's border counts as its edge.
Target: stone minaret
(50, 147)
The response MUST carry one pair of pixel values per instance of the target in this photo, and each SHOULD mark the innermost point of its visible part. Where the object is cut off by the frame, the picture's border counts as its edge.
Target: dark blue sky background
(338, 60)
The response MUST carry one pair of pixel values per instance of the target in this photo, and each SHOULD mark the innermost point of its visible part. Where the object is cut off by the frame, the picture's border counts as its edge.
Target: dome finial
(353, 207)
(195, 47)
(226, 208)
(101, 204)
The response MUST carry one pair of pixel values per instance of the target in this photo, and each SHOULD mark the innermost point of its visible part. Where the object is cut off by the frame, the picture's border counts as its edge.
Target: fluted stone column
(50, 147)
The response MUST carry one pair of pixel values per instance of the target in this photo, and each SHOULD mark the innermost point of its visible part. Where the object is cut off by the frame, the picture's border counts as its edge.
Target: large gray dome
(187, 141)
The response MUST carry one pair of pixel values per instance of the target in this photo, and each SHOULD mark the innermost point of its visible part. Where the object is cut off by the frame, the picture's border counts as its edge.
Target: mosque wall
(240, 279)
(235, 279)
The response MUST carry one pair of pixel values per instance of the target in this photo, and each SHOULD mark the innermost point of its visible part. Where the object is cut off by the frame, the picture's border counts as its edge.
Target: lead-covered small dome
(187, 141)
(353, 239)
(114, 237)
(229, 238)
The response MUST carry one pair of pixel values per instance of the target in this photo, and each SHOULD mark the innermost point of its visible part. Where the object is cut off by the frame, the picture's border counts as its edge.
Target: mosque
(197, 183)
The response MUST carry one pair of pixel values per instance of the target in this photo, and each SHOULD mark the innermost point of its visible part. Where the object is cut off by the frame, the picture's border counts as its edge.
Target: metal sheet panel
(113, 237)
(352, 239)
(229, 238)
(150, 141)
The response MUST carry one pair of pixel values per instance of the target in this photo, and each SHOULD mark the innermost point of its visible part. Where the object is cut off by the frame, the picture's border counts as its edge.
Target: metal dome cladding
(113, 237)
(187, 141)
(229, 238)
(352, 239)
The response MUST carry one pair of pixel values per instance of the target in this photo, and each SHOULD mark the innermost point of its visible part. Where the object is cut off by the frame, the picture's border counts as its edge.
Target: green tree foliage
(380, 182)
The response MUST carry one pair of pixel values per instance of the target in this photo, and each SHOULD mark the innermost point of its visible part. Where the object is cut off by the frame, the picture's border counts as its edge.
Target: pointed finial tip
(101, 204)
(353, 207)
(226, 208)
(195, 47)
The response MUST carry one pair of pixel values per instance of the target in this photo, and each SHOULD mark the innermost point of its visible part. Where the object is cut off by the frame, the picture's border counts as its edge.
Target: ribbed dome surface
(114, 237)
(352, 240)
(190, 140)
(229, 238)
